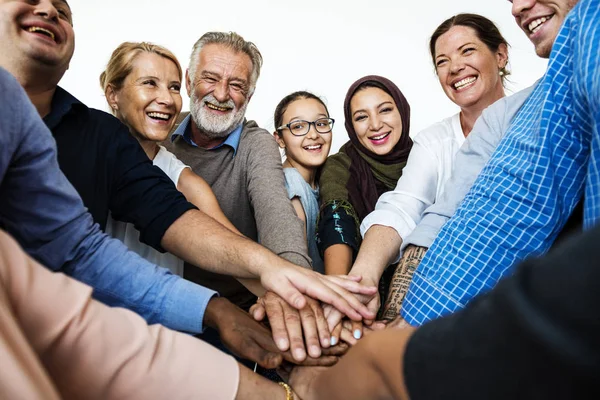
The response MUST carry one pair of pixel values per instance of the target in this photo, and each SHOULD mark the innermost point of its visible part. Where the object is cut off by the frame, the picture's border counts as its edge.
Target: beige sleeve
(91, 351)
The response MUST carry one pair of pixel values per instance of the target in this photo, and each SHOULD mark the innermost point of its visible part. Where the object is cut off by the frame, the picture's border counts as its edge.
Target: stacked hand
(296, 330)
(292, 282)
(251, 340)
(350, 331)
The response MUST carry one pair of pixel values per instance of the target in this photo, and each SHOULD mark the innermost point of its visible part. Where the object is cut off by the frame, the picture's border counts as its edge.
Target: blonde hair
(120, 64)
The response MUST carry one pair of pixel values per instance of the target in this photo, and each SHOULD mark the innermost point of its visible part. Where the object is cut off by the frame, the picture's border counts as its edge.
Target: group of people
(323, 266)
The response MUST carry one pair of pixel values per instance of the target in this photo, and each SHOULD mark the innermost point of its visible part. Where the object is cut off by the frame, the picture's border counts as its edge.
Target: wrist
(289, 393)
(369, 277)
(215, 310)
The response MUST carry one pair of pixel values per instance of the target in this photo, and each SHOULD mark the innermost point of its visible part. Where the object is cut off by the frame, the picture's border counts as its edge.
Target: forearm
(253, 386)
(338, 259)
(401, 280)
(121, 278)
(200, 194)
(92, 351)
(200, 240)
(253, 285)
(372, 369)
(378, 250)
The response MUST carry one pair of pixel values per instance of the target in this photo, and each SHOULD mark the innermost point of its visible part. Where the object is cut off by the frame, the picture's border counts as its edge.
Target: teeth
(464, 82)
(214, 107)
(38, 29)
(379, 137)
(535, 25)
(159, 115)
(315, 147)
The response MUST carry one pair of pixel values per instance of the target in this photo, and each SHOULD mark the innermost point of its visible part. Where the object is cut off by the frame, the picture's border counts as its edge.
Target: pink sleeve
(95, 352)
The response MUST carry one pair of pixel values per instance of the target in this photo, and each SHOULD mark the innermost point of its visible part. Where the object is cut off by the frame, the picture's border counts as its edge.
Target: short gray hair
(235, 42)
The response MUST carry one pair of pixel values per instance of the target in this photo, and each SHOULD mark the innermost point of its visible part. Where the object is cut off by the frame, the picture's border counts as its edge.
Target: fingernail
(282, 344)
(333, 341)
(315, 351)
(299, 354)
(357, 334)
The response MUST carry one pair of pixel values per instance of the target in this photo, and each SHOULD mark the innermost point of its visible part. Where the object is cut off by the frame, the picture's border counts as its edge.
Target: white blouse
(130, 236)
(428, 168)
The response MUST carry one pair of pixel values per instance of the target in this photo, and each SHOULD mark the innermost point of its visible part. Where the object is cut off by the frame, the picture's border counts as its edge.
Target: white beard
(215, 126)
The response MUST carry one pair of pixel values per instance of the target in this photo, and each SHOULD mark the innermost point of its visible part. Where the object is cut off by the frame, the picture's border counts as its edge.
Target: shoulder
(338, 160)
(294, 183)
(12, 97)
(252, 133)
(257, 144)
(292, 175)
(164, 158)
(95, 122)
(437, 133)
(505, 108)
(105, 120)
(16, 110)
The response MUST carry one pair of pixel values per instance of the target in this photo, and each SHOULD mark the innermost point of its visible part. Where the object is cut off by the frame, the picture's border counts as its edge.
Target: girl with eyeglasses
(303, 130)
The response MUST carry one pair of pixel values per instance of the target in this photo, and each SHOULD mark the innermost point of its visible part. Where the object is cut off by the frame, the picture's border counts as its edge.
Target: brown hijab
(371, 174)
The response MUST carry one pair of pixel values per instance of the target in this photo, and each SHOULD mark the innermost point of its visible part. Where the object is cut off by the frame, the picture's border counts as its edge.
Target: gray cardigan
(250, 188)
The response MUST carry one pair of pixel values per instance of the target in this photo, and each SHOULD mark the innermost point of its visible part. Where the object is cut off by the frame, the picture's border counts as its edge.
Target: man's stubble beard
(215, 126)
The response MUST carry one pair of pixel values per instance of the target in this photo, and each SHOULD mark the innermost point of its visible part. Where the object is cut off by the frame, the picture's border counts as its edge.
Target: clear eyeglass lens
(323, 125)
(299, 127)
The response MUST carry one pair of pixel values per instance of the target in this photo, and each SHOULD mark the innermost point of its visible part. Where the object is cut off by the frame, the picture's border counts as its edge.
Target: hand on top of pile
(292, 283)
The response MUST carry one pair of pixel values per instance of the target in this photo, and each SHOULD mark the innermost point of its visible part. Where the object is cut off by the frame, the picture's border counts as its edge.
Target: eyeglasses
(301, 127)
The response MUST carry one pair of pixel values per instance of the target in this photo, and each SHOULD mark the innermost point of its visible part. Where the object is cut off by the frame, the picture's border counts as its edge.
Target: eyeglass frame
(313, 123)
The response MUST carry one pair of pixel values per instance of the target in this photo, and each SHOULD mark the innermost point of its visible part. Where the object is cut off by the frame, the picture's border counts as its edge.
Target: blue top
(521, 200)
(44, 213)
(309, 198)
(185, 131)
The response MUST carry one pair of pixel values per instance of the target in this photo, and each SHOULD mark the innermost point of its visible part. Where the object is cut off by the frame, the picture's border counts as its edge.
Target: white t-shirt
(130, 236)
(429, 166)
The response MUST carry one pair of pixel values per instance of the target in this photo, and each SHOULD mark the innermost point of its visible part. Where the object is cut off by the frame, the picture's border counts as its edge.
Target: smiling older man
(238, 159)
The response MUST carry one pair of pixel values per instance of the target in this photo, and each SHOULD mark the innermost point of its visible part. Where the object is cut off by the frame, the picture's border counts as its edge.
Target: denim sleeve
(43, 212)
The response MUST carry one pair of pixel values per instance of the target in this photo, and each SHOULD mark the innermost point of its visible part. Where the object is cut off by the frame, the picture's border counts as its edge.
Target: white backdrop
(386, 37)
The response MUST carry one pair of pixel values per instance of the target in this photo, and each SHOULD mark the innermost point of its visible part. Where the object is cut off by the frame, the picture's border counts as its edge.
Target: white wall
(384, 37)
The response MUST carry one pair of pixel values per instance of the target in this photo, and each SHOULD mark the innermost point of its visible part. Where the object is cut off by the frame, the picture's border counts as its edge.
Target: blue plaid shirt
(525, 194)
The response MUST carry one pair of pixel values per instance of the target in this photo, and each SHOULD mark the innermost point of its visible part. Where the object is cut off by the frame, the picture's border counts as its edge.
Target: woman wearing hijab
(369, 164)
(470, 56)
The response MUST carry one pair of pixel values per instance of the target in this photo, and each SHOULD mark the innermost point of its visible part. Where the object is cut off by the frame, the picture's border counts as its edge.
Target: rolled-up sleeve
(141, 193)
(402, 207)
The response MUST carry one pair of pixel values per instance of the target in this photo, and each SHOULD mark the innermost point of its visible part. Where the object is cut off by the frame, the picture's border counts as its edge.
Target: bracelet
(289, 395)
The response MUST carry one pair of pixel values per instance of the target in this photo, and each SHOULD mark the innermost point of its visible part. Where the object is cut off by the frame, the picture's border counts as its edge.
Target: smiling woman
(377, 121)
(470, 57)
(141, 83)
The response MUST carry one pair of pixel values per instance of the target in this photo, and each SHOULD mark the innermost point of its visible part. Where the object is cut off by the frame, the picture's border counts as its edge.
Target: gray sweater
(250, 188)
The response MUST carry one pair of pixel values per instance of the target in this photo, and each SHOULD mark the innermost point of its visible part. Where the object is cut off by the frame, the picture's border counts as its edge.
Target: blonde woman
(142, 84)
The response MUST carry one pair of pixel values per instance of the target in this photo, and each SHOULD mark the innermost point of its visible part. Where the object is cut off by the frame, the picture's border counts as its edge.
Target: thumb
(268, 359)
